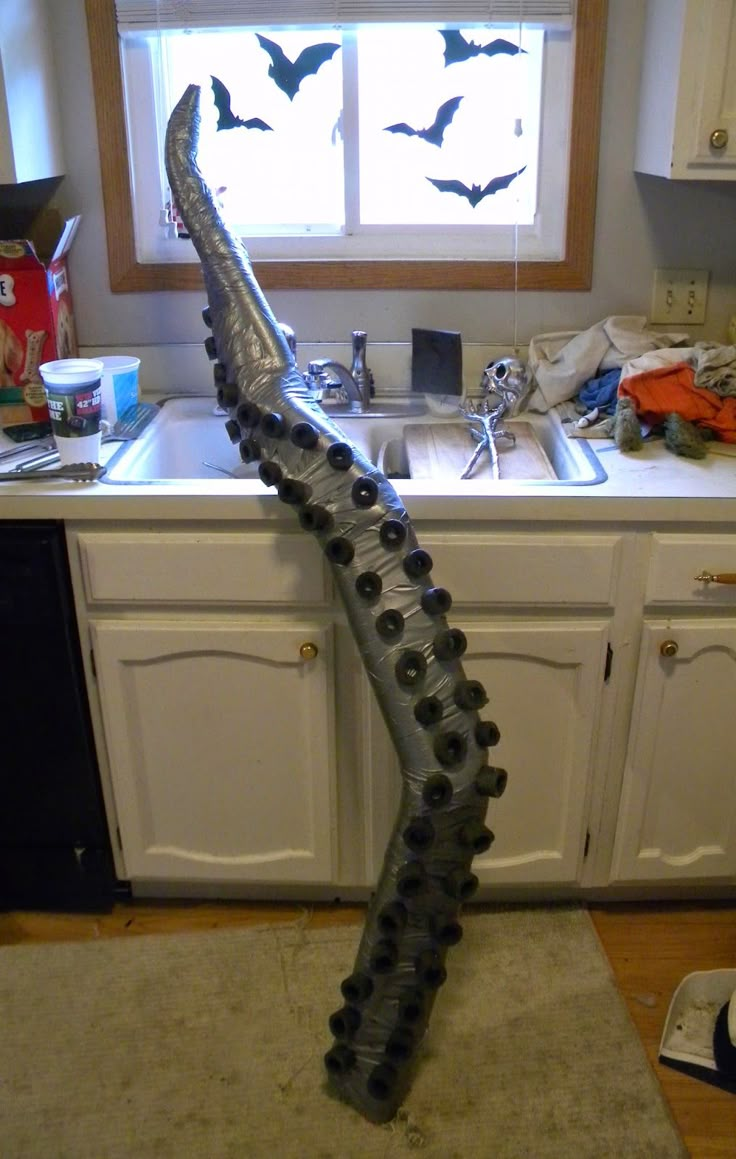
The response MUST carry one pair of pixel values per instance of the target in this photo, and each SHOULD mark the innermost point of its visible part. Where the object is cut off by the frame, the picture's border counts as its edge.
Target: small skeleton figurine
(486, 433)
(505, 381)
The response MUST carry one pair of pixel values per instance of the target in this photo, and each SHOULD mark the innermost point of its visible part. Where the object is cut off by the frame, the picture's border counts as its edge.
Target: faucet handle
(314, 376)
(363, 376)
(290, 337)
(319, 381)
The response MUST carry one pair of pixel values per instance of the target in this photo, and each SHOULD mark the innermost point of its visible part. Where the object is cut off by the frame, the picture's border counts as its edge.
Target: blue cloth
(601, 392)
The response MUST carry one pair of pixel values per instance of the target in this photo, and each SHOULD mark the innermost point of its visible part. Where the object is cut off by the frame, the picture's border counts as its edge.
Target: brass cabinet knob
(716, 577)
(308, 651)
(719, 139)
(669, 648)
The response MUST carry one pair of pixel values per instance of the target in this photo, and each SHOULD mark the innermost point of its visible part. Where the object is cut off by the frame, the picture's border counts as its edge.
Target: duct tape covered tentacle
(410, 653)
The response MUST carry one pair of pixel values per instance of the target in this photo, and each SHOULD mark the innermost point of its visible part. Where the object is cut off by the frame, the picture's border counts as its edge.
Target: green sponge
(682, 438)
(626, 429)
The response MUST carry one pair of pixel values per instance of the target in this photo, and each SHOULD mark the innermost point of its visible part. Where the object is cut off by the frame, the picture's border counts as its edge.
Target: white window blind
(140, 15)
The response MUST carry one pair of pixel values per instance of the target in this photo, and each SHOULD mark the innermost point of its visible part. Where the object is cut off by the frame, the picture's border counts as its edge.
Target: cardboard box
(36, 320)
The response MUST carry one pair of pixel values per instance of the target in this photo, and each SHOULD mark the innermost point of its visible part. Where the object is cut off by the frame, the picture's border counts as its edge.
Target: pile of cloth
(628, 381)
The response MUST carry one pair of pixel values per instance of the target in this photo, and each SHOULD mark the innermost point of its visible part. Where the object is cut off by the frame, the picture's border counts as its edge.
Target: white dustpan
(687, 1038)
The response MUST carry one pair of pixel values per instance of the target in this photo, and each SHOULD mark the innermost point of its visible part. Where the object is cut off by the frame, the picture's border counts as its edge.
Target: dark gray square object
(436, 361)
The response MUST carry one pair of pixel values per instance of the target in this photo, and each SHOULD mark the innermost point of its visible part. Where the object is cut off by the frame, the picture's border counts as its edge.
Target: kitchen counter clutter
(669, 488)
(600, 618)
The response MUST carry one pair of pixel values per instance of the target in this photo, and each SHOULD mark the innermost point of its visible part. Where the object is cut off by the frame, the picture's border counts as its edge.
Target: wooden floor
(650, 947)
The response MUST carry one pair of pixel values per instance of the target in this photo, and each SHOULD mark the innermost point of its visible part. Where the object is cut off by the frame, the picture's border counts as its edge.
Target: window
(400, 141)
(368, 170)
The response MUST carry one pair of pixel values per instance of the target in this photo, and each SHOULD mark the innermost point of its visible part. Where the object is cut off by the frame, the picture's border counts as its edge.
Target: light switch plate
(680, 296)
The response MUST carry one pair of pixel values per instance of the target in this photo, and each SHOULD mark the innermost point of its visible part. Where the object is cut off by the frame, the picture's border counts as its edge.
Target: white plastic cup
(73, 395)
(119, 385)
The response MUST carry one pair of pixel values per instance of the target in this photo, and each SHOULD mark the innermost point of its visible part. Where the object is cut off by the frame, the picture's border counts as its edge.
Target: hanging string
(166, 216)
(519, 132)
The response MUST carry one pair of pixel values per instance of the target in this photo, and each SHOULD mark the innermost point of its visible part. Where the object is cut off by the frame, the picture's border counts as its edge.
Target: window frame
(572, 272)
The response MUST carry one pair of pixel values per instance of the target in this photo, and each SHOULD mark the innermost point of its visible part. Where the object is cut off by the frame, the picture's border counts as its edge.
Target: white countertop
(650, 486)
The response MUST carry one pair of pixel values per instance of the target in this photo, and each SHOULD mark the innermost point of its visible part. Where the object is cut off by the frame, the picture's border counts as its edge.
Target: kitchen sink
(187, 441)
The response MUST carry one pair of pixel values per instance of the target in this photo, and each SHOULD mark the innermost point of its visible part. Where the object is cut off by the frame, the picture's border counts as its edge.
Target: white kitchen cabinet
(218, 736)
(687, 115)
(30, 126)
(535, 609)
(544, 681)
(213, 696)
(677, 820)
(234, 758)
(677, 817)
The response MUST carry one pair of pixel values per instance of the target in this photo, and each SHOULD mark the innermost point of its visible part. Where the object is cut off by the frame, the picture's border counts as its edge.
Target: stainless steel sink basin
(188, 441)
(189, 433)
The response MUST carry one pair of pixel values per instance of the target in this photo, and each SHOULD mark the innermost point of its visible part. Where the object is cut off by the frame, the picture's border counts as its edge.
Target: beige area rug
(209, 1046)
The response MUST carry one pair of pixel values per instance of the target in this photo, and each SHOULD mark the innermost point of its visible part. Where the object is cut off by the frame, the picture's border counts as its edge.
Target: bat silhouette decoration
(289, 74)
(457, 48)
(475, 193)
(226, 119)
(435, 133)
(412, 657)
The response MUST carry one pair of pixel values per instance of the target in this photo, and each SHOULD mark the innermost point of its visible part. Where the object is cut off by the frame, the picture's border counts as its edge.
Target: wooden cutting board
(436, 449)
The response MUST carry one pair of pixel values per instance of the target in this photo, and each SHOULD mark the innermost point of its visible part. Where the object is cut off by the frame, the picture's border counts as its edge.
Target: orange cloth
(672, 389)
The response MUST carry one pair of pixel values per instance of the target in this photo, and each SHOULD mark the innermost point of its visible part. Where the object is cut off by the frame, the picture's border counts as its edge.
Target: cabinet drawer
(188, 567)
(677, 559)
(537, 569)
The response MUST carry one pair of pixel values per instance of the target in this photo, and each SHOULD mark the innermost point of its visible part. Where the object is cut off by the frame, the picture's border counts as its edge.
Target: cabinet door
(717, 111)
(218, 737)
(543, 681)
(687, 118)
(677, 817)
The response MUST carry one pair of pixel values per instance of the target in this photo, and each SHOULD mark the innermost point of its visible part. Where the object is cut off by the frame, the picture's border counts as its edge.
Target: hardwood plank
(651, 949)
(134, 919)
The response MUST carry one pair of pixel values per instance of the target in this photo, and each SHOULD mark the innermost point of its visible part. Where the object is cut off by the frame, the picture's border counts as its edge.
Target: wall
(642, 222)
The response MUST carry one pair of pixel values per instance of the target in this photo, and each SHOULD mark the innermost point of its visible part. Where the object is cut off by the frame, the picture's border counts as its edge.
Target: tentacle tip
(185, 117)
(190, 98)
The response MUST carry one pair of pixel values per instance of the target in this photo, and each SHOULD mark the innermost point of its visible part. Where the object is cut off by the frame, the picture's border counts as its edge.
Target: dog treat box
(36, 323)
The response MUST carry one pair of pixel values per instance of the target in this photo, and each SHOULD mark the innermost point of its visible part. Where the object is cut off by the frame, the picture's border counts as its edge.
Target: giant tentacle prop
(411, 655)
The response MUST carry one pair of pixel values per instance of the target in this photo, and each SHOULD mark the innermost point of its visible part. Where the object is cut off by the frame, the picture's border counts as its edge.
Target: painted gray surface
(411, 656)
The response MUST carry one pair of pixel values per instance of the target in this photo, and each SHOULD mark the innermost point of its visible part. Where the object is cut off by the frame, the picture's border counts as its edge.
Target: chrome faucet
(360, 373)
(356, 382)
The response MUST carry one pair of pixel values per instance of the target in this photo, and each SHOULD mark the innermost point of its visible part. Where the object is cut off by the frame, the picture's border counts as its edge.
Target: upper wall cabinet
(30, 130)
(687, 121)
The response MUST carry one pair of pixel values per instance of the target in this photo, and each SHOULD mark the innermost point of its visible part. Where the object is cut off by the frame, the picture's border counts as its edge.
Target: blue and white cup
(119, 385)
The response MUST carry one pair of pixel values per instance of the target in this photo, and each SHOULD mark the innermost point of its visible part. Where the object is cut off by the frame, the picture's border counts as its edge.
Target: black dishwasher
(54, 842)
